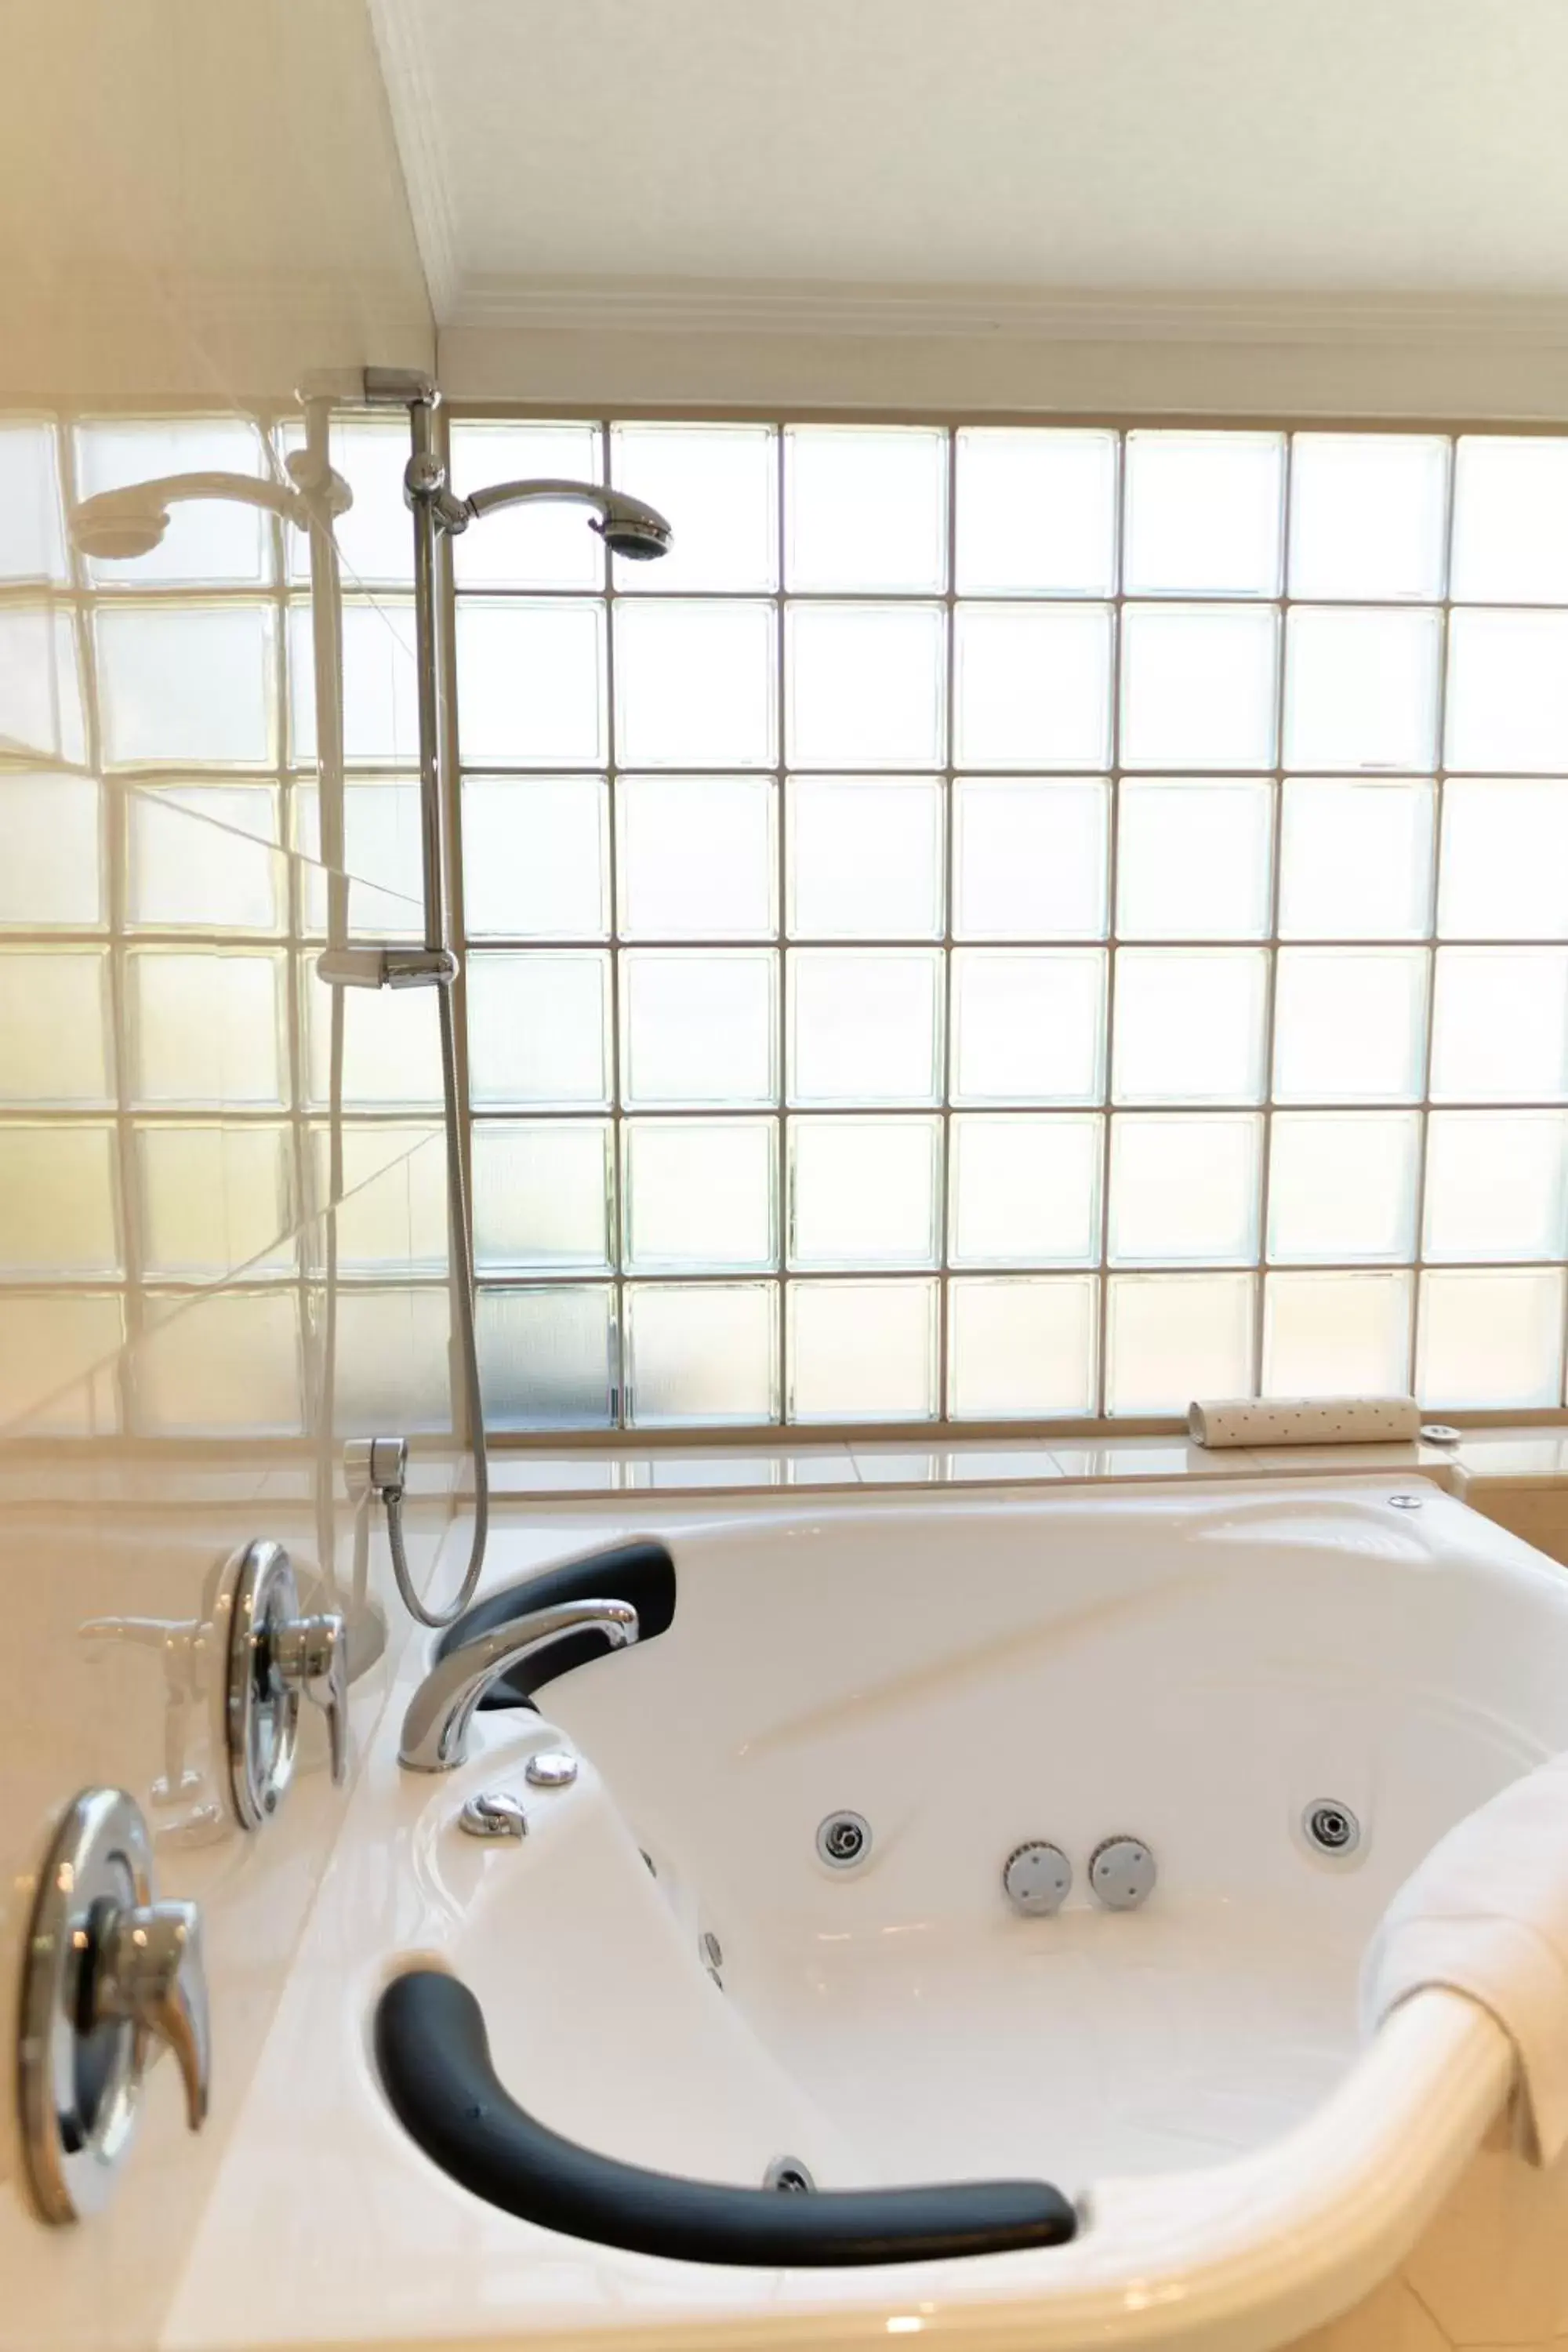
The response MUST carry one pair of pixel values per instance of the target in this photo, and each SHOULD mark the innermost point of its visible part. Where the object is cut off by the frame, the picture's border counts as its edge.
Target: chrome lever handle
(312, 1656)
(150, 1972)
(277, 1659)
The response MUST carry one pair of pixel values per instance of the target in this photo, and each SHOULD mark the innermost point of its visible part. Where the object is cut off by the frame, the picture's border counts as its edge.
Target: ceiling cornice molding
(399, 37)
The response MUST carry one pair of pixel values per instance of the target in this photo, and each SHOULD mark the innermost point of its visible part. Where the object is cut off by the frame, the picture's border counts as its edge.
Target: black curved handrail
(640, 1571)
(435, 2061)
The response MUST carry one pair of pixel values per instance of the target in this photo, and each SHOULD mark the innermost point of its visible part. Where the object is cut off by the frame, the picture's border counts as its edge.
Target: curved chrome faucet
(436, 1728)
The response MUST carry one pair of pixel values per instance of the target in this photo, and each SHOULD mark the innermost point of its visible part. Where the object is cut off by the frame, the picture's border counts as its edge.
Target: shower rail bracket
(387, 967)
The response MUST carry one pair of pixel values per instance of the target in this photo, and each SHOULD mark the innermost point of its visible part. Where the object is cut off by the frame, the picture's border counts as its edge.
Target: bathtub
(686, 1965)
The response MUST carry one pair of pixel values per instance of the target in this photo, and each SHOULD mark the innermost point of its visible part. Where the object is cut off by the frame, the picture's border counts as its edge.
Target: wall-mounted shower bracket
(378, 966)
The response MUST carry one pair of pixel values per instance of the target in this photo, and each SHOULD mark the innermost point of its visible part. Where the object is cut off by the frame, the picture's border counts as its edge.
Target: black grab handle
(435, 2061)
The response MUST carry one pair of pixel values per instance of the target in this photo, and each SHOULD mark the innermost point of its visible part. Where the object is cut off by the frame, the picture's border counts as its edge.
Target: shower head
(626, 525)
(118, 525)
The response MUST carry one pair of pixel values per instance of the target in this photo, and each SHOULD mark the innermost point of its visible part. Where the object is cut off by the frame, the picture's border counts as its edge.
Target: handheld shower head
(118, 525)
(626, 525)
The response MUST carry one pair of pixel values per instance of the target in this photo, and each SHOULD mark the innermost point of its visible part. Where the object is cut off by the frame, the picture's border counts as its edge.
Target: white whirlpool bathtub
(673, 1974)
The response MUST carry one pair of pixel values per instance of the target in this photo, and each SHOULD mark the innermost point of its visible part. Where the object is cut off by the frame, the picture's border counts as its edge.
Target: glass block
(1361, 688)
(375, 538)
(1023, 1191)
(54, 872)
(1032, 686)
(40, 686)
(208, 1029)
(861, 1350)
(718, 485)
(546, 543)
(700, 1194)
(201, 859)
(392, 1216)
(697, 857)
(380, 686)
(1020, 1349)
(866, 507)
(866, 686)
(393, 1357)
(695, 684)
(1203, 514)
(1036, 513)
(1367, 514)
(229, 1364)
(532, 684)
(215, 1198)
(391, 1045)
(1355, 859)
(379, 849)
(1508, 692)
(698, 1028)
(1028, 1025)
(1171, 1337)
(865, 1027)
(701, 1352)
(1198, 686)
(865, 858)
(863, 1193)
(536, 857)
(543, 1194)
(1184, 1190)
(1500, 1025)
(49, 1344)
(1511, 518)
(208, 540)
(1349, 1025)
(1336, 1335)
(1030, 857)
(539, 1031)
(31, 539)
(1489, 1339)
(1497, 1184)
(1189, 1025)
(61, 1216)
(1193, 860)
(54, 1027)
(548, 1356)
(187, 684)
(1505, 860)
(1341, 1185)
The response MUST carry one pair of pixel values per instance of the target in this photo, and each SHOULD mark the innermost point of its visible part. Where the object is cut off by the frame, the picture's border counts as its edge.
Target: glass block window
(1014, 925)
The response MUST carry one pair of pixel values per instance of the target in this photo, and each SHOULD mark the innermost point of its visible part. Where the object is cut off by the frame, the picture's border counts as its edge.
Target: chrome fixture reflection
(436, 1728)
(276, 1657)
(120, 525)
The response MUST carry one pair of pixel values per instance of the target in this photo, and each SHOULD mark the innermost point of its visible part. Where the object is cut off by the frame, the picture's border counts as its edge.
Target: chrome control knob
(146, 1969)
(277, 1658)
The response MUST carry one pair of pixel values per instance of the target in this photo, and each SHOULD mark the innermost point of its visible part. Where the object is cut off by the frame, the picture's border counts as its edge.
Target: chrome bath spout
(436, 1728)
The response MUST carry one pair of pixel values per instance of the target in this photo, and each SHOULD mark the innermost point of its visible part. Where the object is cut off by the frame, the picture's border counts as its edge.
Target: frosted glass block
(531, 684)
(536, 857)
(1203, 514)
(546, 543)
(1500, 1025)
(1019, 1348)
(697, 857)
(1171, 1337)
(393, 1362)
(183, 685)
(543, 1191)
(861, 1350)
(207, 540)
(1023, 1191)
(718, 485)
(392, 1216)
(1367, 514)
(49, 1344)
(1361, 688)
(701, 1352)
(548, 1356)
(375, 538)
(380, 851)
(207, 1029)
(54, 1027)
(1032, 686)
(695, 684)
(1508, 692)
(391, 1045)
(538, 1030)
(227, 1364)
(215, 1198)
(1497, 1184)
(866, 686)
(54, 872)
(865, 1028)
(1030, 857)
(32, 532)
(863, 1193)
(698, 1028)
(60, 1217)
(1490, 1339)
(380, 686)
(700, 1194)
(1355, 860)
(865, 858)
(1336, 1335)
(1189, 1025)
(1198, 686)
(40, 685)
(201, 859)
(1511, 518)
(1193, 860)
(1035, 513)
(865, 508)
(1349, 1025)
(1028, 1026)
(1505, 860)
(1185, 1191)
(1341, 1185)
